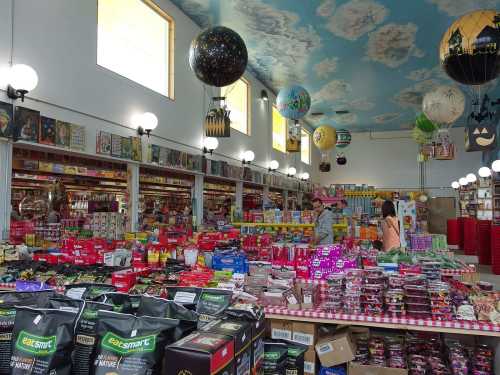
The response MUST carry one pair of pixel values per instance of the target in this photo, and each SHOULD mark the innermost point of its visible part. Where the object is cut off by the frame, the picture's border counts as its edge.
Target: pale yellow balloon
(325, 137)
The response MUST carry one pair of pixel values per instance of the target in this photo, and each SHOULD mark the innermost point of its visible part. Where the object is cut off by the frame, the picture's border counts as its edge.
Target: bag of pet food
(42, 342)
(86, 337)
(8, 301)
(186, 296)
(212, 304)
(130, 345)
(163, 308)
(65, 303)
(88, 291)
(122, 302)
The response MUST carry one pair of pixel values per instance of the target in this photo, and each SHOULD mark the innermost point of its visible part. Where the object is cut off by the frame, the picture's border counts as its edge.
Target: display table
(463, 327)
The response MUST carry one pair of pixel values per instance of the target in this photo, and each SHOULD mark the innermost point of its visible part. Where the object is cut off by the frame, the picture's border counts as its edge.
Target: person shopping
(390, 226)
(323, 229)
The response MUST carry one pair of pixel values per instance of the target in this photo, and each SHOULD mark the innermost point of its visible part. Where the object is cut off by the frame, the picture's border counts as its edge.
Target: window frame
(302, 129)
(171, 50)
(274, 107)
(248, 109)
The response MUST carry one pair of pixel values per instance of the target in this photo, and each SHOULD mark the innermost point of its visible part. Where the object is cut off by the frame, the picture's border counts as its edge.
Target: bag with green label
(122, 302)
(130, 345)
(86, 337)
(212, 304)
(42, 342)
(65, 303)
(8, 301)
(88, 290)
(159, 307)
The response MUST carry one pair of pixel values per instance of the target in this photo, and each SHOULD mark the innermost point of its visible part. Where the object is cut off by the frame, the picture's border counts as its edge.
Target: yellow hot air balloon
(325, 137)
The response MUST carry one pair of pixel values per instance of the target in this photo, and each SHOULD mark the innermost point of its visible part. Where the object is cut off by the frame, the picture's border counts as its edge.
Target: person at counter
(344, 208)
(323, 229)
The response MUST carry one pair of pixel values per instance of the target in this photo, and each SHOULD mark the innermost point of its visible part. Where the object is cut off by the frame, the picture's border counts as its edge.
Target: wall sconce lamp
(291, 172)
(247, 157)
(22, 79)
(304, 176)
(263, 96)
(273, 166)
(145, 123)
(209, 145)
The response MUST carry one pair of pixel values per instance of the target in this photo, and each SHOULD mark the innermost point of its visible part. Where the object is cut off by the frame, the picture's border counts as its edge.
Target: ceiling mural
(375, 59)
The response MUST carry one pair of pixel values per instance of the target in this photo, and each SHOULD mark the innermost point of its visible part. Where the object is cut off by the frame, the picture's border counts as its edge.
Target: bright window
(237, 102)
(135, 40)
(305, 146)
(279, 131)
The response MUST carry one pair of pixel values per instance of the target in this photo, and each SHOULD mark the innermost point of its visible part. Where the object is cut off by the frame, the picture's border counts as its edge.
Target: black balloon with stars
(218, 56)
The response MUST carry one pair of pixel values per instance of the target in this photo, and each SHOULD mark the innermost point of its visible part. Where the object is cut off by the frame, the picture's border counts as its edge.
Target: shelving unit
(468, 202)
(485, 199)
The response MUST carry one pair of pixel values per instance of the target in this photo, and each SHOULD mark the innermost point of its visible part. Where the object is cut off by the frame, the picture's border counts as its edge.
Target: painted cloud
(356, 18)
(455, 8)
(326, 8)
(326, 67)
(345, 119)
(333, 90)
(411, 97)
(198, 10)
(420, 74)
(393, 44)
(362, 104)
(386, 117)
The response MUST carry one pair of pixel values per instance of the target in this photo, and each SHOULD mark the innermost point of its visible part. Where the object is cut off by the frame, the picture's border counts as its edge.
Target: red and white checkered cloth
(455, 324)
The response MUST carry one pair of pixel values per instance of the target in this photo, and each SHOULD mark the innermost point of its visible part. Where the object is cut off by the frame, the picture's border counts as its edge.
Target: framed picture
(6, 120)
(47, 132)
(63, 134)
(77, 139)
(103, 144)
(116, 145)
(154, 154)
(136, 149)
(27, 124)
(126, 148)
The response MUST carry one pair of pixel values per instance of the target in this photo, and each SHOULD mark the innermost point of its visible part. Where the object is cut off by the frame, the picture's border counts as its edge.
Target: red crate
(495, 249)
(484, 240)
(453, 232)
(460, 222)
(470, 236)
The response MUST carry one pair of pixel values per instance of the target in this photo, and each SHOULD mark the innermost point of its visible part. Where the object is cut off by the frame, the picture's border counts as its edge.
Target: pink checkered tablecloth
(404, 322)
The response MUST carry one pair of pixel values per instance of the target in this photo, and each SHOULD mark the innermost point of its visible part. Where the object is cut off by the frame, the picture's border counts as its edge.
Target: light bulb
(23, 77)
(274, 165)
(149, 121)
(496, 166)
(136, 120)
(248, 156)
(463, 181)
(292, 171)
(455, 185)
(305, 176)
(211, 143)
(471, 177)
(484, 172)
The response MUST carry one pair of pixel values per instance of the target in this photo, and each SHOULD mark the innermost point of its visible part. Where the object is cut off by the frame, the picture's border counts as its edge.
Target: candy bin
(353, 288)
(457, 357)
(376, 348)
(362, 353)
(482, 362)
(334, 293)
(396, 355)
(372, 297)
(439, 294)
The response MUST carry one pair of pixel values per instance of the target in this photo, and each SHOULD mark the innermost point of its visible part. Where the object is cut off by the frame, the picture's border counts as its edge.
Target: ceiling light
(22, 79)
(471, 177)
(210, 144)
(291, 171)
(484, 172)
(263, 96)
(247, 157)
(145, 123)
(496, 166)
(463, 181)
(273, 165)
(455, 185)
(304, 176)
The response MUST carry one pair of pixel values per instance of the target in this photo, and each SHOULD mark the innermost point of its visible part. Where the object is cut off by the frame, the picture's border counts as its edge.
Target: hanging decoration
(293, 102)
(445, 149)
(293, 138)
(218, 56)
(480, 137)
(343, 138)
(424, 124)
(444, 105)
(420, 136)
(217, 123)
(325, 138)
(469, 50)
(341, 159)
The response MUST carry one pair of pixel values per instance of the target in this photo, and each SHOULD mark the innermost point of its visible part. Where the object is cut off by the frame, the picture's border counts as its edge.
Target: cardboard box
(337, 349)
(258, 330)
(310, 362)
(304, 333)
(357, 369)
(281, 330)
(200, 353)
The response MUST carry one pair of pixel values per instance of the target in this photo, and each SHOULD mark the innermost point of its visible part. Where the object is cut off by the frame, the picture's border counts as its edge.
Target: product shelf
(475, 328)
(285, 225)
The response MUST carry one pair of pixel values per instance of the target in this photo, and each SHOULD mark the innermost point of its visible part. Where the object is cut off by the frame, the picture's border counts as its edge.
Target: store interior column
(5, 187)
(197, 203)
(133, 196)
(238, 204)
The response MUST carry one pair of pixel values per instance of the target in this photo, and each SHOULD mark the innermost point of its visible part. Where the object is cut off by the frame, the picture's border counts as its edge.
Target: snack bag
(121, 302)
(130, 345)
(42, 341)
(212, 304)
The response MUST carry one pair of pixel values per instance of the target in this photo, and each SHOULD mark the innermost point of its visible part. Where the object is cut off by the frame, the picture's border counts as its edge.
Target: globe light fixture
(495, 166)
(210, 144)
(247, 157)
(291, 172)
(455, 185)
(471, 177)
(273, 166)
(145, 123)
(463, 181)
(304, 176)
(484, 172)
(21, 80)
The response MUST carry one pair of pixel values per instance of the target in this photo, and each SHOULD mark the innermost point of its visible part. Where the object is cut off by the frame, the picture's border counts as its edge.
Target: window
(135, 40)
(279, 131)
(305, 146)
(237, 102)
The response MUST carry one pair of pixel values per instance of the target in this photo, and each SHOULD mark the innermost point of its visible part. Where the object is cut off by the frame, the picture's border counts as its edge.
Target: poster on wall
(103, 144)
(480, 137)
(77, 137)
(6, 120)
(293, 138)
(47, 131)
(116, 145)
(126, 148)
(63, 134)
(27, 124)
(136, 149)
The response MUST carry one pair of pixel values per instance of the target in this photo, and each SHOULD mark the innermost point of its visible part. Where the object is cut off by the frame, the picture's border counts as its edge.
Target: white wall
(389, 160)
(59, 39)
